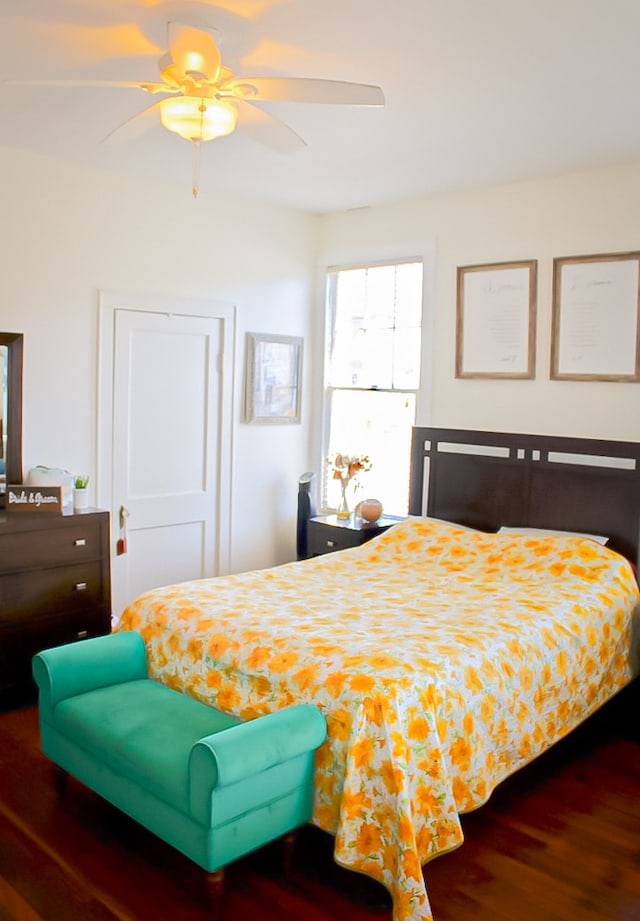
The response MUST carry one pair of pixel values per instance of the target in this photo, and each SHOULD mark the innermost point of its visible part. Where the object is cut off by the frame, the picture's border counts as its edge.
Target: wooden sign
(22, 498)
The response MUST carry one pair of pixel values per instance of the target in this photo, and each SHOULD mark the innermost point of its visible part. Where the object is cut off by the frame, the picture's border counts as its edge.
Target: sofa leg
(215, 885)
(288, 851)
(60, 777)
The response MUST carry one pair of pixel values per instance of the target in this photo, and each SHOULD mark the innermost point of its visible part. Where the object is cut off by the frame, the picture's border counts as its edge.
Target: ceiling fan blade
(194, 51)
(268, 130)
(135, 126)
(304, 89)
(148, 87)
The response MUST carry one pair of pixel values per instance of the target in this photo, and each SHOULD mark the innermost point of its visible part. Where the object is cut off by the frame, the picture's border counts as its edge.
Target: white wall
(69, 231)
(589, 212)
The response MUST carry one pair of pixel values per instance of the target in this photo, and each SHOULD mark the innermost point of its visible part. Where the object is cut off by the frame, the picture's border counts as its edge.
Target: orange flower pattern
(443, 660)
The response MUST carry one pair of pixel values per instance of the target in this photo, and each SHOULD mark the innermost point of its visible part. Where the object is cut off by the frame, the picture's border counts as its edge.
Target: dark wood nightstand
(326, 533)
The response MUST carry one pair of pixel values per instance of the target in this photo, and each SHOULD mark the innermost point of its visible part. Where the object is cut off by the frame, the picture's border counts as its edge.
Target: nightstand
(326, 533)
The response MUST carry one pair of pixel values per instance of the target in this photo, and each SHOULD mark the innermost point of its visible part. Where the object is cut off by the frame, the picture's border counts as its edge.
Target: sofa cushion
(142, 729)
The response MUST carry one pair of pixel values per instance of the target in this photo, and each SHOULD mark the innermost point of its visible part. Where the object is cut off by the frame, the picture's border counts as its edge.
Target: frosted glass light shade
(198, 119)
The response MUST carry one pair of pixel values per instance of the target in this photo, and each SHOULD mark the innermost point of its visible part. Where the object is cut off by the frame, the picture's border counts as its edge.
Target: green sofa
(213, 787)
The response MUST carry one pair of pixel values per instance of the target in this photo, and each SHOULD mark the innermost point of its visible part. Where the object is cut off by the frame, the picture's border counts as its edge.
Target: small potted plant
(80, 491)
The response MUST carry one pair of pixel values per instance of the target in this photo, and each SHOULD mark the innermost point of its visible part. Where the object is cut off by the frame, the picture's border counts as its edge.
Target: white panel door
(167, 459)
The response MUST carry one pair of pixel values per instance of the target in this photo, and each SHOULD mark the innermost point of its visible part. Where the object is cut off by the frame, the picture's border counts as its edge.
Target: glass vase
(343, 513)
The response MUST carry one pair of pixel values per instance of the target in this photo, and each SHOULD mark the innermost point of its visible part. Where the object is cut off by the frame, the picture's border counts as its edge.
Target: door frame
(108, 303)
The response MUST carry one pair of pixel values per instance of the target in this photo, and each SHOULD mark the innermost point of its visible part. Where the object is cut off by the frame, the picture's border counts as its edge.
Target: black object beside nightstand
(327, 533)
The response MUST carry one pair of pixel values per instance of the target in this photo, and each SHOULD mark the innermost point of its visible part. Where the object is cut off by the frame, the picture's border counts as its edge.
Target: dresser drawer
(18, 646)
(55, 588)
(51, 547)
(63, 589)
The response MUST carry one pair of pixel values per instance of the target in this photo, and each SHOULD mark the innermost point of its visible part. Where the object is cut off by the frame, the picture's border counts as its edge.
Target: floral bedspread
(443, 659)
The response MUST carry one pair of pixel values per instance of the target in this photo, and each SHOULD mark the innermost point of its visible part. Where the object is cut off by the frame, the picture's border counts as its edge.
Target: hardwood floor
(560, 841)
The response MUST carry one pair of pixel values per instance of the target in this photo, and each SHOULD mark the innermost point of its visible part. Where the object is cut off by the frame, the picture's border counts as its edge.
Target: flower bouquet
(345, 467)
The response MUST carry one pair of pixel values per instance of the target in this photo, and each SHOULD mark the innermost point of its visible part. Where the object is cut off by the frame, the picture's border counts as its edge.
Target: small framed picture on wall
(273, 379)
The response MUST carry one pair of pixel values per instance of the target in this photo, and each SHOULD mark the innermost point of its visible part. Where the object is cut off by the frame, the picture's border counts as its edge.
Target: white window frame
(424, 253)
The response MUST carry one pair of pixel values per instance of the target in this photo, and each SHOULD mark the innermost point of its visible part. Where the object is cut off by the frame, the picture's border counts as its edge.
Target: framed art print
(495, 320)
(596, 318)
(273, 379)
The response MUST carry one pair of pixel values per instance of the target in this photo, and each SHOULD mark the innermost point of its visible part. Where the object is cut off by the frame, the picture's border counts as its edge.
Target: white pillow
(543, 532)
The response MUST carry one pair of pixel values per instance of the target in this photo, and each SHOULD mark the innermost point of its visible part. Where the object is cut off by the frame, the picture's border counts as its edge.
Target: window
(372, 374)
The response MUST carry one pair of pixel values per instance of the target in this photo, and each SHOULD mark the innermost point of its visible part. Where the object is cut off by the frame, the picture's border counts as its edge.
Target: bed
(444, 656)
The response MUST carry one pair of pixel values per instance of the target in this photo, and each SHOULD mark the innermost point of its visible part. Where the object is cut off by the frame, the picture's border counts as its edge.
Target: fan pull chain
(195, 167)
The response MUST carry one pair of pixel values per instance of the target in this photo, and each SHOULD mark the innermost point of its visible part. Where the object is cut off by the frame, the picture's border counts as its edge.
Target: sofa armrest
(247, 749)
(66, 671)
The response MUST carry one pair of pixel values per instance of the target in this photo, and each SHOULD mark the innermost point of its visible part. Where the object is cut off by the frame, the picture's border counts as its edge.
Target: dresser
(327, 533)
(55, 587)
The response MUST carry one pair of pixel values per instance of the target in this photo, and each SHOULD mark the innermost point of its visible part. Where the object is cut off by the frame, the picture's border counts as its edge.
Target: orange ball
(370, 509)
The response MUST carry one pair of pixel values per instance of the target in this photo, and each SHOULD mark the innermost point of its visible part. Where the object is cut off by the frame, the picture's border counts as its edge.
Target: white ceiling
(477, 91)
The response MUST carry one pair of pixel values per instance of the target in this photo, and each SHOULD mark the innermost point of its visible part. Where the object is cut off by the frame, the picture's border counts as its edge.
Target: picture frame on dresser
(11, 360)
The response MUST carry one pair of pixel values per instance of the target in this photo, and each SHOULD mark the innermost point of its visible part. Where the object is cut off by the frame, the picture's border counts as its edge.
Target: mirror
(10, 410)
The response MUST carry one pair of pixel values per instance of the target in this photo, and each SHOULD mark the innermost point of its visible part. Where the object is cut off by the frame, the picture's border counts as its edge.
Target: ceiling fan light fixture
(197, 118)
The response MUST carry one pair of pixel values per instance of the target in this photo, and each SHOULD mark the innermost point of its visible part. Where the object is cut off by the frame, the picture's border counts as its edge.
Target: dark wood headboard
(489, 479)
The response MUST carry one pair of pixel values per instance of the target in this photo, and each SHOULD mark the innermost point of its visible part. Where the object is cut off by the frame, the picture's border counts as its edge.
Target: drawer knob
(80, 586)
(82, 634)
(80, 542)
(331, 543)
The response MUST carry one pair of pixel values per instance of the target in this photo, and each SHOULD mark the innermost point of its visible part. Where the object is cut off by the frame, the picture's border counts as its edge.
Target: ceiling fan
(203, 99)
